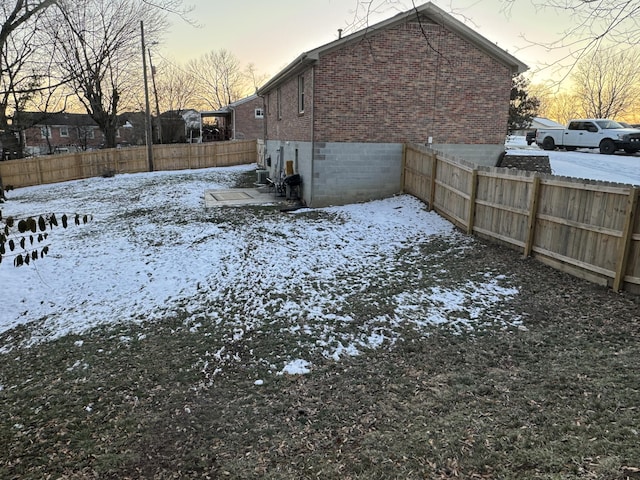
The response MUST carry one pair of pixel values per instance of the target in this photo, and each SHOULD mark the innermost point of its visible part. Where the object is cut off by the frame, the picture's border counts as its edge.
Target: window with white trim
(86, 132)
(259, 113)
(301, 94)
(64, 131)
(45, 132)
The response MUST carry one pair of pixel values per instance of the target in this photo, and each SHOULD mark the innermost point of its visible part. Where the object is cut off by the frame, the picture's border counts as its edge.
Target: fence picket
(73, 166)
(625, 241)
(589, 229)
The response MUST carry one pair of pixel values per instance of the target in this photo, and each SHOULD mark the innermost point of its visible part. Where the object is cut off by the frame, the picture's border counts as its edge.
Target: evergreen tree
(522, 107)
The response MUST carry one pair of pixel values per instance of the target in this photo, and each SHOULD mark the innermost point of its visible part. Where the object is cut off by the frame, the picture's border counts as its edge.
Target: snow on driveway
(590, 164)
(584, 163)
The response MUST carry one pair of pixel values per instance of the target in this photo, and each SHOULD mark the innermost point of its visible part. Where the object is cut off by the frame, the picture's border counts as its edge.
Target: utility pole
(155, 93)
(147, 117)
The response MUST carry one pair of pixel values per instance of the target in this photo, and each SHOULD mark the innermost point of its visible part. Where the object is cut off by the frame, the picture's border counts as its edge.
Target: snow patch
(296, 367)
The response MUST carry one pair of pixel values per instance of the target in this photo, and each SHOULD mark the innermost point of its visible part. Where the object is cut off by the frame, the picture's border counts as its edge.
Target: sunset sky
(272, 33)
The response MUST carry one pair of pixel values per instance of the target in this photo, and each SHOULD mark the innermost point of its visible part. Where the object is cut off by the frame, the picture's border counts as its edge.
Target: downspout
(313, 140)
(233, 122)
(264, 130)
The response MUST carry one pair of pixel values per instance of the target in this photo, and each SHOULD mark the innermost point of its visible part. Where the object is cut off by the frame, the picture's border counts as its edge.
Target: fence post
(625, 241)
(434, 172)
(39, 170)
(473, 191)
(533, 210)
(403, 166)
(116, 161)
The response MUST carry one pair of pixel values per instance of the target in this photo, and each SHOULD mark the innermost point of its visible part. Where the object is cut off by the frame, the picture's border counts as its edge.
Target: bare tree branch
(595, 25)
(607, 85)
(20, 47)
(221, 79)
(100, 42)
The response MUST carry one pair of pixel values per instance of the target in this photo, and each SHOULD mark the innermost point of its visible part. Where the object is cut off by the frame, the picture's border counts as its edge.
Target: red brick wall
(292, 125)
(398, 86)
(247, 126)
(33, 138)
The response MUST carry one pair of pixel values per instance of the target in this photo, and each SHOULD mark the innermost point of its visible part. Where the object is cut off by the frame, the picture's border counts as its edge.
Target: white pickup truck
(607, 135)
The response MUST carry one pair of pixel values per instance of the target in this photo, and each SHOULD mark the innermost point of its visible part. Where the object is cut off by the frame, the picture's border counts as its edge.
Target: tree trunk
(110, 135)
(107, 120)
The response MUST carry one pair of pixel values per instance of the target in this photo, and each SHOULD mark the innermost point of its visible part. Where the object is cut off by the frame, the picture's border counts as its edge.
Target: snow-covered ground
(154, 251)
(584, 163)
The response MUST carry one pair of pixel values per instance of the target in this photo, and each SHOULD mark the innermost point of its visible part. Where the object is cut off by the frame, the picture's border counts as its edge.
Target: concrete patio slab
(240, 196)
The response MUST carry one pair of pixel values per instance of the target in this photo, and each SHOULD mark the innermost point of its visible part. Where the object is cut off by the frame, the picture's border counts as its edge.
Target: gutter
(233, 111)
(313, 133)
(298, 65)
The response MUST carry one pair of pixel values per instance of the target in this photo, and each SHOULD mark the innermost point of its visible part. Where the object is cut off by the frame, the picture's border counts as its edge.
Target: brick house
(342, 112)
(247, 122)
(48, 133)
(240, 120)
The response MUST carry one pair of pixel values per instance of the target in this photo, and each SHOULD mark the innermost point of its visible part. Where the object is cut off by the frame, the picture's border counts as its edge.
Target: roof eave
(430, 10)
(242, 101)
(476, 39)
(299, 65)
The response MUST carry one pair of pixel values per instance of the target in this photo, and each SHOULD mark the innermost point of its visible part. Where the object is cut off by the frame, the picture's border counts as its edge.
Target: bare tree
(100, 43)
(253, 78)
(19, 45)
(559, 106)
(221, 79)
(607, 85)
(562, 107)
(594, 24)
(177, 88)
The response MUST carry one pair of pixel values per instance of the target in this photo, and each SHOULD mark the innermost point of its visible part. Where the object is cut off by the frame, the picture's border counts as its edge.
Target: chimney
(339, 33)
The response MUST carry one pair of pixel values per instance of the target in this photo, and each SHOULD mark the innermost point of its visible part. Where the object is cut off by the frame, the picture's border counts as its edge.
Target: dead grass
(557, 400)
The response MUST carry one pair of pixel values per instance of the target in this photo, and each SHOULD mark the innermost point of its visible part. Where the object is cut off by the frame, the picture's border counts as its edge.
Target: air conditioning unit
(262, 177)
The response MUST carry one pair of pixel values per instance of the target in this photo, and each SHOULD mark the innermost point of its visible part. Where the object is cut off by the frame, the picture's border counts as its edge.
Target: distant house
(191, 119)
(541, 122)
(133, 130)
(247, 119)
(341, 113)
(9, 145)
(178, 126)
(536, 122)
(48, 133)
(240, 120)
(173, 128)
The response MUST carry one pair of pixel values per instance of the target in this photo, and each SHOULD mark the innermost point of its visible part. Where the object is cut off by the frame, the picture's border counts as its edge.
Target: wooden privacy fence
(587, 228)
(74, 166)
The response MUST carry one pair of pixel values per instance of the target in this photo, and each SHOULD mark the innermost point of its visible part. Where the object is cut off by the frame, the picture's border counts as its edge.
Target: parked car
(607, 135)
(531, 137)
